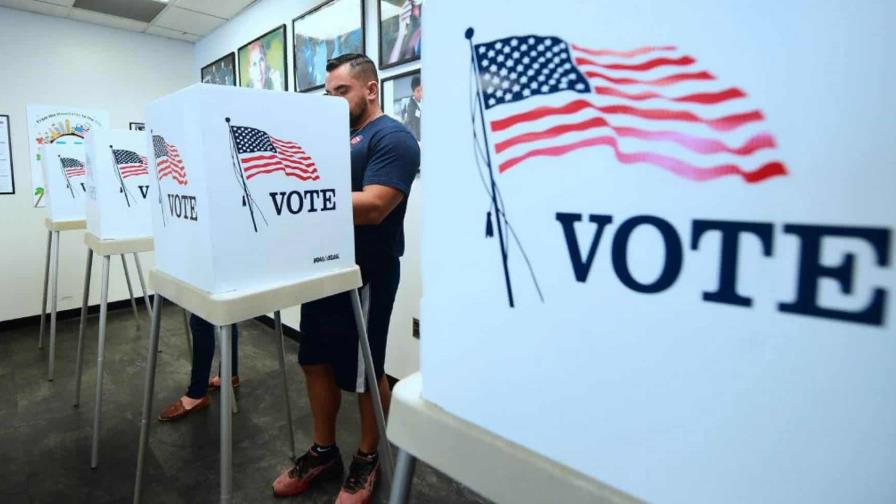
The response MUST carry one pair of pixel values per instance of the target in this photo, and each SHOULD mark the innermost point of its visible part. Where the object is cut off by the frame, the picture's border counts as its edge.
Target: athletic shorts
(329, 333)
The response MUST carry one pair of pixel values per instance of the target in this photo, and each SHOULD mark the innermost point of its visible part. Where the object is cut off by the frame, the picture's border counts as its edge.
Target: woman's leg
(203, 353)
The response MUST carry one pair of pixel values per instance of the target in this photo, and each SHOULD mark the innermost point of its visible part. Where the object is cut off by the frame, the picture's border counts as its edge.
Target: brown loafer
(213, 387)
(177, 410)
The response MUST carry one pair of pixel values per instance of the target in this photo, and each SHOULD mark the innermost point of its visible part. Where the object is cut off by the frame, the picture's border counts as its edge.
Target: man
(384, 157)
(415, 106)
(261, 74)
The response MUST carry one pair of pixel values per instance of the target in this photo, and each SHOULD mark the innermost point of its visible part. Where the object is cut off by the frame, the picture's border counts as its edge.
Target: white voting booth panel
(64, 171)
(704, 193)
(262, 199)
(118, 185)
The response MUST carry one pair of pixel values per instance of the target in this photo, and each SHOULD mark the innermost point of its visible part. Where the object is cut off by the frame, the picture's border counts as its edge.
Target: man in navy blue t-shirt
(385, 157)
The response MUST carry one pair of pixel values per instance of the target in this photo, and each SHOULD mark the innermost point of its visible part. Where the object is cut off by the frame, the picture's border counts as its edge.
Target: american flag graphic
(261, 153)
(72, 167)
(130, 164)
(168, 160)
(544, 97)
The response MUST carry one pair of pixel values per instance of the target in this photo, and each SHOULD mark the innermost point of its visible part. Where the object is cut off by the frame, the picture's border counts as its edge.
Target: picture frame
(222, 71)
(400, 31)
(8, 154)
(262, 61)
(332, 28)
(401, 97)
(137, 126)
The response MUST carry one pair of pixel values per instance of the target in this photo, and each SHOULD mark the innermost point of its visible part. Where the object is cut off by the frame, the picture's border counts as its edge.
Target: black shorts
(329, 333)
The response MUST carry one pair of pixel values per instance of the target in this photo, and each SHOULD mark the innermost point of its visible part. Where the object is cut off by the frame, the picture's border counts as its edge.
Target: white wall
(403, 350)
(61, 61)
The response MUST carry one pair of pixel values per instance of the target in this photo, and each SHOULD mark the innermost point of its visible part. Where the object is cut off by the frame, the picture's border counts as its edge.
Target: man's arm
(374, 203)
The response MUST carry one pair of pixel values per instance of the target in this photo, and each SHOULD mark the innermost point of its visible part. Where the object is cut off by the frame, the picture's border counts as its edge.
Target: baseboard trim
(289, 332)
(8, 325)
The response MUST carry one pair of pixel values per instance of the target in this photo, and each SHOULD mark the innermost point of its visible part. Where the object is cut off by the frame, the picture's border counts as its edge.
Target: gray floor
(45, 442)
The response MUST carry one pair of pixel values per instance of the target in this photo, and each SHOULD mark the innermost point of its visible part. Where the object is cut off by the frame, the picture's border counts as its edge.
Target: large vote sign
(249, 187)
(118, 185)
(658, 241)
(65, 179)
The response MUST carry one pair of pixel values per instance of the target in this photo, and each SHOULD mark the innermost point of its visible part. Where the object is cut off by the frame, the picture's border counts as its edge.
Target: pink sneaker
(308, 468)
(358, 486)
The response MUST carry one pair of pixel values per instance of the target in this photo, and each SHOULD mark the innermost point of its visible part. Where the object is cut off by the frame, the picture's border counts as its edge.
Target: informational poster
(658, 241)
(48, 124)
(7, 179)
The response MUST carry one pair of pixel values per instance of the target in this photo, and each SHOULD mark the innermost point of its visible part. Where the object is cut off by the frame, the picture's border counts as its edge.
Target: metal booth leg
(386, 450)
(79, 364)
(127, 278)
(404, 475)
(226, 418)
(43, 305)
(278, 327)
(54, 294)
(142, 284)
(100, 351)
(148, 392)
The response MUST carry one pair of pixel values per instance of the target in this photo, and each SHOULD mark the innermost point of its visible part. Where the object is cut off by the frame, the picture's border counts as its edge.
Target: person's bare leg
(324, 397)
(370, 435)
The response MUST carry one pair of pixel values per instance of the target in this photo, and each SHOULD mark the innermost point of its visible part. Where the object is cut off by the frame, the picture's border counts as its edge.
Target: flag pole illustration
(68, 182)
(168, 164)
(248, 200)
(124, 188)
(499, 213)
(158, 177)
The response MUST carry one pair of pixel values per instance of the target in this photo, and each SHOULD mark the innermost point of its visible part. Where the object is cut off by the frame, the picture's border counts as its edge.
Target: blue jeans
(204, 353)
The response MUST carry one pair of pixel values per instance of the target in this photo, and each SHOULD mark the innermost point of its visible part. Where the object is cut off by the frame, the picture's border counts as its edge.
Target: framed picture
(402, 97)
(263, 61)
(136, 126)
(7, 175)
(401, 31)
(327, 31)
(221, 71)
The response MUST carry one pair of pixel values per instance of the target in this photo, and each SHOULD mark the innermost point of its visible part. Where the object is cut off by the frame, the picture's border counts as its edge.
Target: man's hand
(373, 204)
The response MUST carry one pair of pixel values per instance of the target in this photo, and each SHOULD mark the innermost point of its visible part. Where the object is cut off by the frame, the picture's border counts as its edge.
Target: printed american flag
(168, 160)
(130, 164)
(72, 167)
(262, 153)
(653, 105)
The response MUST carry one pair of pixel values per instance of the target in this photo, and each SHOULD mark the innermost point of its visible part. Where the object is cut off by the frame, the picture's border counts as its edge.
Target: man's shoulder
(387, 126)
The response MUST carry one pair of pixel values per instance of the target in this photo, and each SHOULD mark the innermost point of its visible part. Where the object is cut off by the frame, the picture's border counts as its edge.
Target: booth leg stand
(79, 364)
(127, 278)
(278, 327)
(142, 284)
(51, 367)
(226, 418)
(101, 350)
(385, 448)
(43, 306)
(404, 475)
(148, 392)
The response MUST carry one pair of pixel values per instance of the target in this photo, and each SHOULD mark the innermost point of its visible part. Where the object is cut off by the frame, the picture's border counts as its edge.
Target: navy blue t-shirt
(384, 152)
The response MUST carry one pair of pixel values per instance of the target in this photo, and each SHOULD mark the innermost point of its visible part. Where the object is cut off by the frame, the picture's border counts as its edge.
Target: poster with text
(48, 124)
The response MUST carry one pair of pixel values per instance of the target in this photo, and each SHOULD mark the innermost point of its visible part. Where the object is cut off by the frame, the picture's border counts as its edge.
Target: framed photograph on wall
(401, 31)
(7, 176)
(327, 31)
(221, 71)
(262, 61)
(402, 97)
(137, 126)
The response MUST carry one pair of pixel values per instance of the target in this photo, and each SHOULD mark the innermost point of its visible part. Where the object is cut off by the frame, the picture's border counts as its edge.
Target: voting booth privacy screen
(65, 176)
(658, 241)
(118, 185)
(250, 188)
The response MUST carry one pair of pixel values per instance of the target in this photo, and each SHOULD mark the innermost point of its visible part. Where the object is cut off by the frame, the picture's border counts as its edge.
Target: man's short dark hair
(415, 82)
(360, 67)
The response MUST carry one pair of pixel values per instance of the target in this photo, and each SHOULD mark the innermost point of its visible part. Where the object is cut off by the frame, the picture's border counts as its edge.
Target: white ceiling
(188, 20)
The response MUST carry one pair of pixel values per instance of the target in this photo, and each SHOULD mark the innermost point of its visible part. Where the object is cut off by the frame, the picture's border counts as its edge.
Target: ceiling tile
(187, 21)
(165, 32)
(107, 20)
(34, 6)
(220, 8)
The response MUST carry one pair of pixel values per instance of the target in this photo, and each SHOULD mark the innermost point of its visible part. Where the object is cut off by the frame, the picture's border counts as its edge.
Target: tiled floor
(45, 442)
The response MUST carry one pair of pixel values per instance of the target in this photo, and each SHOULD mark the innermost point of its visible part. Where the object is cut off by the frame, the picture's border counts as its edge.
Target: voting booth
(65, 173)
(250, 188)
(117, 185)
(672, 267)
